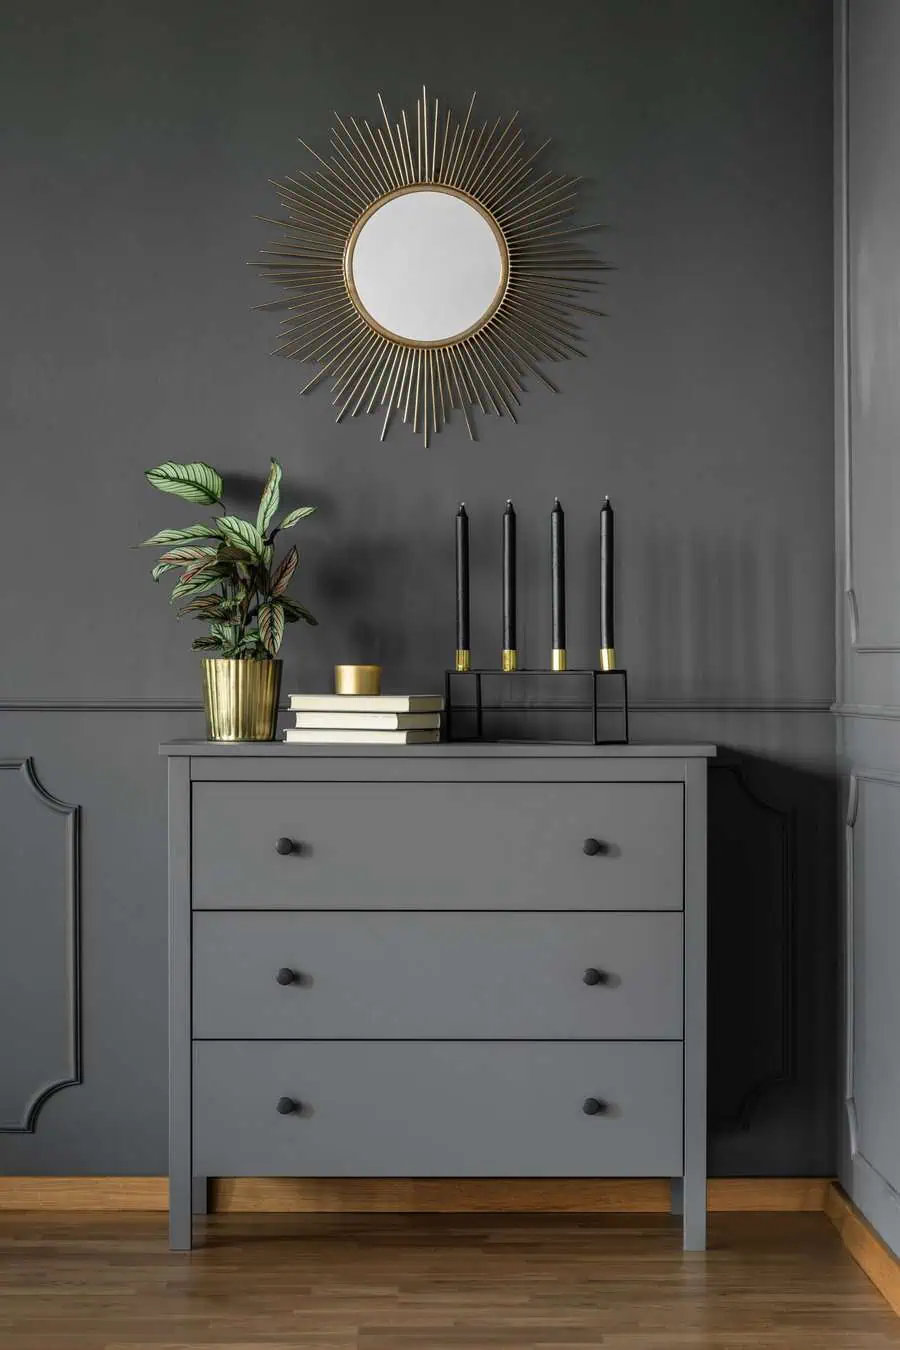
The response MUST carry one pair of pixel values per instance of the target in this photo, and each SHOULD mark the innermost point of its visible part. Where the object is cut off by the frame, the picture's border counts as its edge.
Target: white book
(396, 703)
(307, 737)
(363, 721)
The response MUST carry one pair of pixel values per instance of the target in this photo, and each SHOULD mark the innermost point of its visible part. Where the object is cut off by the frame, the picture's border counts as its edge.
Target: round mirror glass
(426, 266)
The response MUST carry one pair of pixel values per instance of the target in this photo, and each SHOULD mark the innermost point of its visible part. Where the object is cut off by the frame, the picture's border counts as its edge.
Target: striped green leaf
(271, 492)
(294, 611)
(284, 571)
(162, 567)
(166, 537)
(202, 566)
(206, 644)
(293, 516)
(225, 633)
(242, 534)
(188, 554)
(194, 482)
(271, 625)
(198, 579)
(205, 607)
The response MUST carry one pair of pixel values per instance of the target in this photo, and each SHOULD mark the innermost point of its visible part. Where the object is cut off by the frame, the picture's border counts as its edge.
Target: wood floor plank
(434, 1282)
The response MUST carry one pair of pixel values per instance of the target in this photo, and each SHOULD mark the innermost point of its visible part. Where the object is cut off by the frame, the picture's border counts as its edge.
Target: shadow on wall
(719, 613)
(773, 933)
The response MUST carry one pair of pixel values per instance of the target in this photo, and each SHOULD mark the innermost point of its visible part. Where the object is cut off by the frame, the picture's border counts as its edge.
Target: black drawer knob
(286, 1106)
(284, 845)
(593, 846)
(593, 1106)
(286, 975)
(594, 976)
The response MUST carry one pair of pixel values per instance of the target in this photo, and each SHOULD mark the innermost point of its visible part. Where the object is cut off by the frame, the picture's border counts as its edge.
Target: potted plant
(230, 580)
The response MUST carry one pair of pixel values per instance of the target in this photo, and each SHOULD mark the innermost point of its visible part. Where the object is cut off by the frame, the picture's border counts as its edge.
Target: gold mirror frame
(532, 319)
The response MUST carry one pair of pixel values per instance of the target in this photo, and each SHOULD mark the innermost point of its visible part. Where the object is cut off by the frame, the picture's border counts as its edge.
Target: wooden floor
(437, 1282)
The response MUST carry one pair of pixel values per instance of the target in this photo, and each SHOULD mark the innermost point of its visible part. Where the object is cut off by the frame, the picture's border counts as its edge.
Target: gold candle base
(240, 698)
(509, 659)
(357, 680)
(558, 659)
(463, 658)
(607, 658)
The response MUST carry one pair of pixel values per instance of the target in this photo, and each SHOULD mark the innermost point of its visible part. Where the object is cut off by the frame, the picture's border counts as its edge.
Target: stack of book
(361, 719)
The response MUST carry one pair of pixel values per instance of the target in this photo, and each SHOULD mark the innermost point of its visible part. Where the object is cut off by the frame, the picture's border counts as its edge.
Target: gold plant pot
(241, 699)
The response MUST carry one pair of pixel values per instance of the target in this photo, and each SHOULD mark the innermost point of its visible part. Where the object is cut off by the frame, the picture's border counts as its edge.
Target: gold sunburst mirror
(429, 265)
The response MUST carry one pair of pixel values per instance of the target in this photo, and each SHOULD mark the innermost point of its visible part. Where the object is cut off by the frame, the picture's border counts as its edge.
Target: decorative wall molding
(673, 705)
(724, 705)
(100, 705)
(31, 1109)
(889, 779)
(885, 712)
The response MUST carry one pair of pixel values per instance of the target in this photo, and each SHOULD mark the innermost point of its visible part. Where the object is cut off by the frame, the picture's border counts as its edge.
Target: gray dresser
(438, 961)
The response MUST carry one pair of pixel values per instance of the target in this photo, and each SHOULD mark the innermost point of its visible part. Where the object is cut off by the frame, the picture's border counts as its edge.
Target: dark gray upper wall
(137, 141)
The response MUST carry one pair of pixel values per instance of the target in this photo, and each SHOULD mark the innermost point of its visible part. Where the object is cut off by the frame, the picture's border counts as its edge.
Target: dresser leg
(676, 1202)
(180, 1216)
(694, 1213)
(200, 1195)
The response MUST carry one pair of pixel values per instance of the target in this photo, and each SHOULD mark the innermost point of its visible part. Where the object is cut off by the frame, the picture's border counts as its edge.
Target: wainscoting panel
(115, 1120)
(872, 141)
(873, 938)
(40, 953)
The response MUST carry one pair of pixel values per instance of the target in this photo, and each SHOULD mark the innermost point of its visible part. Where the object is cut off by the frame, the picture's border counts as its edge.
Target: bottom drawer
(447, 1108)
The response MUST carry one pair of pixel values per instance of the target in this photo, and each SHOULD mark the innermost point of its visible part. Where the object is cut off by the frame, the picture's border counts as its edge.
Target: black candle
(558, 584)
(462, 588)
(509, 580)
(607, 587)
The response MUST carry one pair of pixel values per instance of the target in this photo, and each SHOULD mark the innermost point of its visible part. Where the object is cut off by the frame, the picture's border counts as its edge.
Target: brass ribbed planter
(241, 699)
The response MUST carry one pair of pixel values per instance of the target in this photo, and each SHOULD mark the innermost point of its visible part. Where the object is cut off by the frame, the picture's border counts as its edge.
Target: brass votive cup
(357, 679)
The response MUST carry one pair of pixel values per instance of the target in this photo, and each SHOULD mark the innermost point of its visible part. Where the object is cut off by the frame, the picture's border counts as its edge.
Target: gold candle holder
(357, 679)
(607, 658)
(463, 659)
(558, 659)
(509, 659)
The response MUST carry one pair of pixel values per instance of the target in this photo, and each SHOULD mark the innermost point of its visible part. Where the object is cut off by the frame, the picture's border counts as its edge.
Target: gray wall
(137, 142)
(868, 534)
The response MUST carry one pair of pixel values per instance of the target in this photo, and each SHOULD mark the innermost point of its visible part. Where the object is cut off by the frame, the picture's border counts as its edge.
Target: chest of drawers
(437, 961)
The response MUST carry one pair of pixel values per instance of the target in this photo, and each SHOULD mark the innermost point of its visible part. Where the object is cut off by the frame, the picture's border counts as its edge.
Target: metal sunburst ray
(549, 272)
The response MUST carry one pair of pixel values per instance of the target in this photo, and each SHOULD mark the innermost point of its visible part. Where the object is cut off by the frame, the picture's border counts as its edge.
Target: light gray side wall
(137, 141)
(868, 615)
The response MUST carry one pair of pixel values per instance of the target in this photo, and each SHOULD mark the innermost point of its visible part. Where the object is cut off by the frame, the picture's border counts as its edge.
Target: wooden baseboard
(864, 1245)
(495, 1195)
(389, 1195)
(77, 1193)
(442, 1195)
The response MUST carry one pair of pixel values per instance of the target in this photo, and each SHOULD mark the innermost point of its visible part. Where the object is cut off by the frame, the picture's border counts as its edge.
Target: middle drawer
(437, 975)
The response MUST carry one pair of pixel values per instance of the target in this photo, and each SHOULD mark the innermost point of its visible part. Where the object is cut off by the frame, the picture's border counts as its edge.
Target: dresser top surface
(467, 750)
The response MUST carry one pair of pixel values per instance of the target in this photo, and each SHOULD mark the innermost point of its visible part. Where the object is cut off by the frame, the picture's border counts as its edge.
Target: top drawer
(437, 846)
